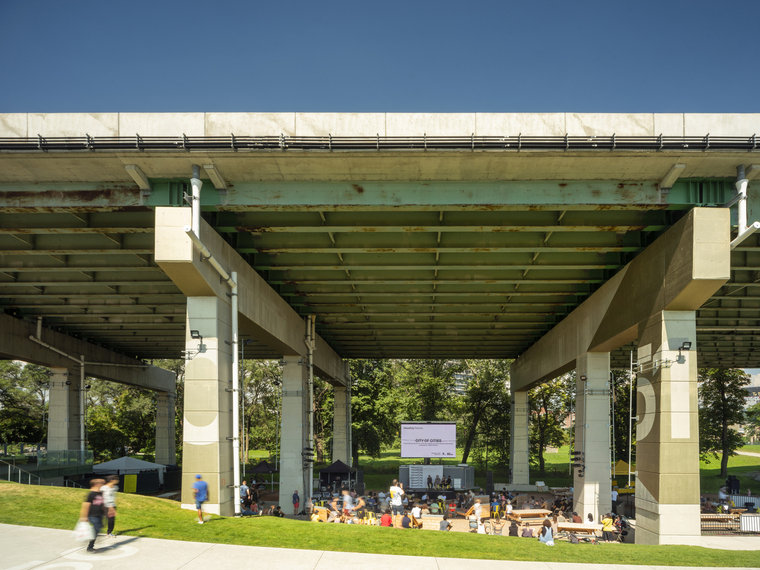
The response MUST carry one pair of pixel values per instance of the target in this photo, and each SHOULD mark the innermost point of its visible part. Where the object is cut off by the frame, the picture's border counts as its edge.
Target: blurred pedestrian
(93, 510)
(296, 502)
(109, 499)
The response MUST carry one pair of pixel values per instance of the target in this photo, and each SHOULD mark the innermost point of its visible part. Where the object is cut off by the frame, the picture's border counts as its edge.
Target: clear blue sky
(414, 56)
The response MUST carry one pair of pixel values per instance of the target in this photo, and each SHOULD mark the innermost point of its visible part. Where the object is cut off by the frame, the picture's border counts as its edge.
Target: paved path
(30, 548)
(750, 453)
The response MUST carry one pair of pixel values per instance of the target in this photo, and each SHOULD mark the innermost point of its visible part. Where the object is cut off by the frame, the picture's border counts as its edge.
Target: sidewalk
(30, 548)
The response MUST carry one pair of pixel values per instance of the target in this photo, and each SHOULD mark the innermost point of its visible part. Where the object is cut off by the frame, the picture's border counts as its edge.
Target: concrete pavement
(30, 548)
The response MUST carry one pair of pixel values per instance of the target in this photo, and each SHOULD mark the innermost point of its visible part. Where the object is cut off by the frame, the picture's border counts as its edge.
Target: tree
(262, 380)
(373, 423)
(722, 397)
(752, 420)
(424, 388)
(23, 389)
(487, 405)
(549, 405)
(622, 399)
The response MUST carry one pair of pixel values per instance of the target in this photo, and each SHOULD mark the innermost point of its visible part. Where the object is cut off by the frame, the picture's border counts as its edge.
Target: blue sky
(402, 56)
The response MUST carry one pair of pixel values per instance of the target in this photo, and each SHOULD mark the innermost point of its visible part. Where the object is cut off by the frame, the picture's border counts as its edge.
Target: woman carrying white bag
(91, 515)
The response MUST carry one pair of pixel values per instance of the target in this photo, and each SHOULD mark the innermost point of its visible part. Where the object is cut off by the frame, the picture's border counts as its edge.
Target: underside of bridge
(423, 247)
(414, 236)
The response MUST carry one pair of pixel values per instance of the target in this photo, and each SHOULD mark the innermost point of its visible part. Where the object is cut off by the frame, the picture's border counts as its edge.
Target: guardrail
(378, 143)
(20, 471)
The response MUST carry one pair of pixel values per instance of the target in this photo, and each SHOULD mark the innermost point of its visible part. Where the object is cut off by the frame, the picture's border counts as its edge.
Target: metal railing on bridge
(366, 143)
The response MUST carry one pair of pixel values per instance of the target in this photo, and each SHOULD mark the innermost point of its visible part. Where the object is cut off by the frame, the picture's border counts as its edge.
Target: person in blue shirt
(200, 492)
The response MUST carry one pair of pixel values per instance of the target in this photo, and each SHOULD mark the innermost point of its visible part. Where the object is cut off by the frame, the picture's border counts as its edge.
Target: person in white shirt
(614, 495)
(481, 527)
(417, 512)
(396, 493)
(109, 501)
(476, 510)
(509, 508)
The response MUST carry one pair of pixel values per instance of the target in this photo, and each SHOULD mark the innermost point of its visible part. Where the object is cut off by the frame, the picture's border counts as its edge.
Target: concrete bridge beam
(654, 298)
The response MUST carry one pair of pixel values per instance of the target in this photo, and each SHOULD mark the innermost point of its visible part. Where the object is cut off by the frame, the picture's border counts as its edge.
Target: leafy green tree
(549, 405)
(261, 386)
(622, 399)
(752, 420)
(23, 390)
(722, 397)
(373, 422)
(486, 406)
(120, 420)
(424, 388)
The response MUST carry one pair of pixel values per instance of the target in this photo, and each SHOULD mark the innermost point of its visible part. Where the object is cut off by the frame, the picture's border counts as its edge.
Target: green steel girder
(570, 194)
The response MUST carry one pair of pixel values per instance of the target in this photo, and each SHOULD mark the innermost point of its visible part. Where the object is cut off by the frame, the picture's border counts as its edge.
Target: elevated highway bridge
(398, 236)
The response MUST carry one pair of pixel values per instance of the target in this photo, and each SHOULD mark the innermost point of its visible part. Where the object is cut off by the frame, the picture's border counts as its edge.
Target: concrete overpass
(403, 235)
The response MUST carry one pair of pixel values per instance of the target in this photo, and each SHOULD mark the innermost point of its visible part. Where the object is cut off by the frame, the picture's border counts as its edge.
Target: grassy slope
(158, 518)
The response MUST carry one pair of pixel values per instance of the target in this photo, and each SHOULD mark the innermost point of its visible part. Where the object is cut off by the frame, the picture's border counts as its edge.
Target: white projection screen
(428, 439)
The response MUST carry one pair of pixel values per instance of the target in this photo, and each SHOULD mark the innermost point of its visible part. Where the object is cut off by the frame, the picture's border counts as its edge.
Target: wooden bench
(520, 514)
(579, 528)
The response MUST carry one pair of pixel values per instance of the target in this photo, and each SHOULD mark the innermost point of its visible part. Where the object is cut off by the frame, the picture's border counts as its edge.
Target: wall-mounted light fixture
(686, 345)
(196, 335)
(584, 378)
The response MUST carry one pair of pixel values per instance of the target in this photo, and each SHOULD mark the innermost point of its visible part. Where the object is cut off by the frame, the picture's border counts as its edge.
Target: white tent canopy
(126, 465)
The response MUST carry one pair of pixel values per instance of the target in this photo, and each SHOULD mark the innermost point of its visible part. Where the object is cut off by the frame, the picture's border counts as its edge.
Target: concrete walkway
(750, 453)
(30, 548)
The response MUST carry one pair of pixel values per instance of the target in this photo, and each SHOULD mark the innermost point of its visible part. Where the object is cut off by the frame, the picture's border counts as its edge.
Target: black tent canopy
(265, 467)
(338, 471)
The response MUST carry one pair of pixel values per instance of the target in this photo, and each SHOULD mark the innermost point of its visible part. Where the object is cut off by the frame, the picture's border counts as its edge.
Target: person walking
(296, 501)
(109, 499)
(93, 509)
(200, 493)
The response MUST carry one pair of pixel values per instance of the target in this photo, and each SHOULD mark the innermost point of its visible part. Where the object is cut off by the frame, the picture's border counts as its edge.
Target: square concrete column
(63, 411)
(592, 493)
(207, 425)
(342, 425)
(667, 432)
(519, 436)
(166, 453)
(294, 436)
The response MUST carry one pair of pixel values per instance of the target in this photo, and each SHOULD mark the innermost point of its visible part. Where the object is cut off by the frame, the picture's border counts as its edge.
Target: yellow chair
(370, 518)
(495, 512)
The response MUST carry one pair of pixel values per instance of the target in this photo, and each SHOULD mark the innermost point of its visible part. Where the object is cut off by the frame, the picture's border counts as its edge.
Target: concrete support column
(63, 414)
(166, 452)
(519, 435)
(667, 432)
(593, 492)
(207, 431)
(342, 425)
(295, 428)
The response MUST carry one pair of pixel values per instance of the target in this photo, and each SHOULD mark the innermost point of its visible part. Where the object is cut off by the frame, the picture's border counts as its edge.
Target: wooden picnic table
(520, 514)
(586, 528)
(716, 517)
(737, 511)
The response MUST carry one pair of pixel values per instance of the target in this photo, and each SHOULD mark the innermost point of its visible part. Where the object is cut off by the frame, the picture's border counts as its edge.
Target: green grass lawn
(379, 472)
(54, 507)
(751, 448)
